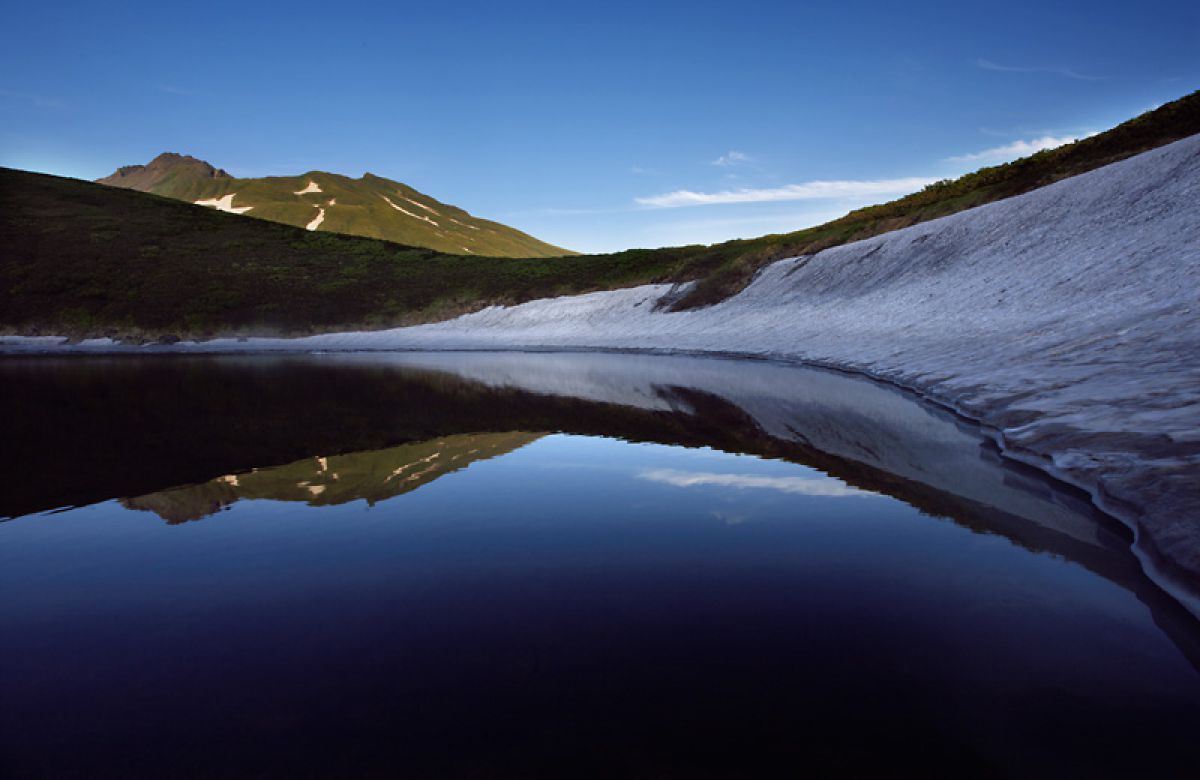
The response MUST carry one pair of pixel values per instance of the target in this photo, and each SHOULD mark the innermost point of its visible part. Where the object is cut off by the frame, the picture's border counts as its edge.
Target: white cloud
(813, 190)
(808, 486)
(1064, 72)
(732, 157)
(1018, 149)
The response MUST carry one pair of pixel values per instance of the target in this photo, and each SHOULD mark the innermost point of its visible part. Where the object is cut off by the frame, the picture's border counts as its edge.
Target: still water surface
(490, 565)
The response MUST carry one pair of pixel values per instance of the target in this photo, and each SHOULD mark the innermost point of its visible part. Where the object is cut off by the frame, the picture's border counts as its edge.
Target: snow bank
(311, 187)
(1068, 319)
(317, 220)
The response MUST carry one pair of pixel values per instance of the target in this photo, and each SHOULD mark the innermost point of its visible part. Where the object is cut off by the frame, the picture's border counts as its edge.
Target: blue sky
(595, 126)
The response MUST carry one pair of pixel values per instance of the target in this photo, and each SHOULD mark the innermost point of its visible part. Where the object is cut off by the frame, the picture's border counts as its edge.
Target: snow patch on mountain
(406, 211)
(224, 203)
(422, 205)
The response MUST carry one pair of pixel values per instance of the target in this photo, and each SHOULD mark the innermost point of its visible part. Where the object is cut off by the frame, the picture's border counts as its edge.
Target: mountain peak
(166, 165)
(175, 160)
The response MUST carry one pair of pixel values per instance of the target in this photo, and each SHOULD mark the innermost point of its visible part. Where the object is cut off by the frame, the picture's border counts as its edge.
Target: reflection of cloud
(808, 486)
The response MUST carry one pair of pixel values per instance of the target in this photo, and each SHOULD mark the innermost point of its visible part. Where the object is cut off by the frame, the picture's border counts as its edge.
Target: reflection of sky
(563, 502)
(568, 536)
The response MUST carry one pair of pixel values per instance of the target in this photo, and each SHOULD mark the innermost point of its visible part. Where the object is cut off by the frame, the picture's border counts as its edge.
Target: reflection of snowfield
(807, 486)
(840, 415)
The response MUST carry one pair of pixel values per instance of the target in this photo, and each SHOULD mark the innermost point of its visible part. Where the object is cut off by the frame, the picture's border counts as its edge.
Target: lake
(481, 564)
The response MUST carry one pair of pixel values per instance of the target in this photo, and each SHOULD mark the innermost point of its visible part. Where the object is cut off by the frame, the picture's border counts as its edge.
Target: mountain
(370, 206)
(84, 260)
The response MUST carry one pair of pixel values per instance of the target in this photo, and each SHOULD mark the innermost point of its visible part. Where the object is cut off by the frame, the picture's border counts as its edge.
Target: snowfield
(1067, 320)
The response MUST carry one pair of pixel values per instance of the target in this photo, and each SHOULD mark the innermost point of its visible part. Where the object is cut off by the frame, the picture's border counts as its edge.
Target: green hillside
(370, 206)
(86, 260)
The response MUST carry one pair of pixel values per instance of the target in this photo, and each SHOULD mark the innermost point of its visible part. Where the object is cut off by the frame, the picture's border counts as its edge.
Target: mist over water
(500, 563)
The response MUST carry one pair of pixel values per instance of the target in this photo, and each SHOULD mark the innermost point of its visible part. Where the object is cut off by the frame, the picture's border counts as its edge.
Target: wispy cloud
(1064, 72)
(812, 190)
(171, 89)
(37, 100)
(808, 486)
(731, 158)
(1017, 149)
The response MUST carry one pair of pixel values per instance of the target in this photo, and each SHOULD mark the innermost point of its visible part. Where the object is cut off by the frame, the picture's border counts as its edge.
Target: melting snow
(422, 205)
(224, 203)
(406, 211)
(317, 220)
(312, 187)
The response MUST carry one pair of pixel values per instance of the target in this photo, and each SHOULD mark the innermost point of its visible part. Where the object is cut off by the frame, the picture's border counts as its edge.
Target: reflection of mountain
(375, 475)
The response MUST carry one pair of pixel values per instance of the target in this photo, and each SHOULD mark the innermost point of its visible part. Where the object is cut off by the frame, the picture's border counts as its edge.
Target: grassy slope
(360, 209)
(83, 259)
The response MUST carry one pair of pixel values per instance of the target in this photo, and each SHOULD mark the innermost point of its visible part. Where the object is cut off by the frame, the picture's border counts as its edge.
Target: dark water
(525, 565)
